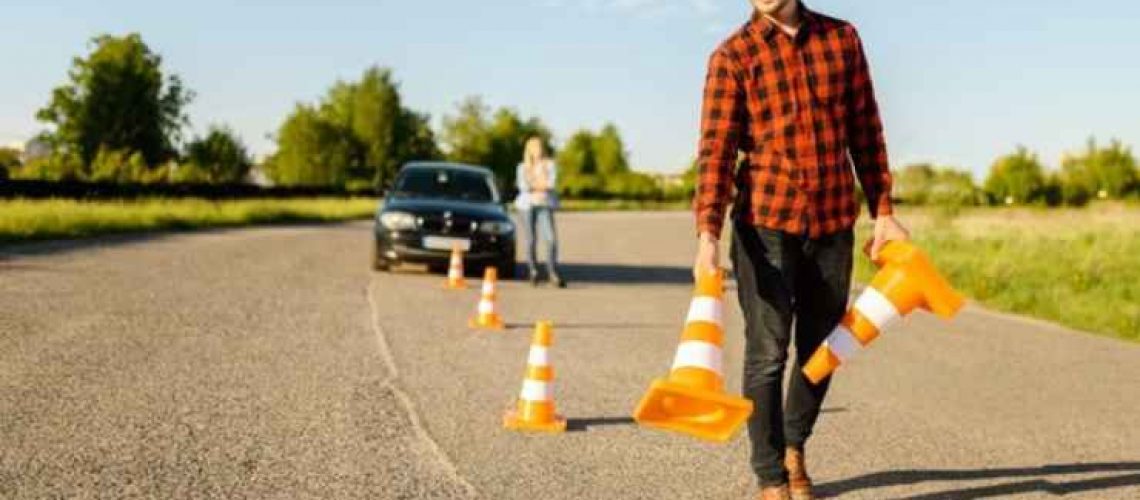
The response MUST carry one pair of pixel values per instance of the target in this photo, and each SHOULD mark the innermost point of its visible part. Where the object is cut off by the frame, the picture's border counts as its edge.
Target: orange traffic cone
(455, 279)
(535, 408)
(487, 317)
(692, 399)
(906, 280)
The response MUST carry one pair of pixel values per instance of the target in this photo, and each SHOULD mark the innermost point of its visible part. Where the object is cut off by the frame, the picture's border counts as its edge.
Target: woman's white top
(528, 197)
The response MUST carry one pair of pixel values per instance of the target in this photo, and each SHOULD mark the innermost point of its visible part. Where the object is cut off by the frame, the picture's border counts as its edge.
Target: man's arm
(868, 151)
(723, 121)
(865, 135)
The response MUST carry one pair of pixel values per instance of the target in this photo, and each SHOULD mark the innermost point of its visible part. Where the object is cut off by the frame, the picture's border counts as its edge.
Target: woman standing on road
(535, 178)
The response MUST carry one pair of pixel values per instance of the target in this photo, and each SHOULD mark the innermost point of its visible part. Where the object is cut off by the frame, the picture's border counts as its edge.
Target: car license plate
(442, 243)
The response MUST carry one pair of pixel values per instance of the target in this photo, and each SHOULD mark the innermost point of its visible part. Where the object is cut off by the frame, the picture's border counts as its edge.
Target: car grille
(438, 224)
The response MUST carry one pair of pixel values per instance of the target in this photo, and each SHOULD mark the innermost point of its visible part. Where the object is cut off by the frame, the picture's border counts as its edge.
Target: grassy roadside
(1077, 267)
(25, 220)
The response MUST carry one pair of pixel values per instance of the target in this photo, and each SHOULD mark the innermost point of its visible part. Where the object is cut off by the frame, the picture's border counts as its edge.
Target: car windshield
(444, 183)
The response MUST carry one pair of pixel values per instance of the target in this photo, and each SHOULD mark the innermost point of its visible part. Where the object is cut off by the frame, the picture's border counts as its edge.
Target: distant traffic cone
(535, 408)
(487, 316)
(906, 281)
(692, 399)
(455, 279)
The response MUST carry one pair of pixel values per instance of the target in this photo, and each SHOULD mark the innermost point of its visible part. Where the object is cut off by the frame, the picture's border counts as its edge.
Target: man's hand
(708, 255)
(887, 228)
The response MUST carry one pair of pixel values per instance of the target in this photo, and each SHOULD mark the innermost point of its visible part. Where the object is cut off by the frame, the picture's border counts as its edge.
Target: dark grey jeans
(786, 281)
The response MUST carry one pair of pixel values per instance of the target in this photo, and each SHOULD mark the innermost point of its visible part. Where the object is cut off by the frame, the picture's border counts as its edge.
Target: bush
(55, 167)
(1016, 178)
(1101, 172)
(117, 166)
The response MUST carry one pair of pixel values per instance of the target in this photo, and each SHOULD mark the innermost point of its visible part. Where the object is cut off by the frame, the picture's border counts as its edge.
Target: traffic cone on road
(487, 315)
(906, 281)
(455, 279)
(692, 399)
(535, 408)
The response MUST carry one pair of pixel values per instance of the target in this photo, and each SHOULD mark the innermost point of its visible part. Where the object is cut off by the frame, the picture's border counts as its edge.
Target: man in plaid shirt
(789, 97)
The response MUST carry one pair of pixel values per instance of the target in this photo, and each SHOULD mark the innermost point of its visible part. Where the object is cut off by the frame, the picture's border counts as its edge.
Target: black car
(435, 206)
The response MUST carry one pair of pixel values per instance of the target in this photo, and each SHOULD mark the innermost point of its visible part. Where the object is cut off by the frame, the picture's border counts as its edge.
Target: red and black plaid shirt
(795, 107)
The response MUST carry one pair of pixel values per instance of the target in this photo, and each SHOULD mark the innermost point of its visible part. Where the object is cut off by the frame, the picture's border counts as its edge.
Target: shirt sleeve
(552, 182)
(868, 148)
(723, 121)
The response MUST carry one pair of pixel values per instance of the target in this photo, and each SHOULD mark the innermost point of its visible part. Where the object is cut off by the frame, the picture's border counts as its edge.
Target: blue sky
(960, 82)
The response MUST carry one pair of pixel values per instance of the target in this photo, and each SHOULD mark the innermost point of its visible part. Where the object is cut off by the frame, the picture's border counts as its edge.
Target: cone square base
(496, 324)
(455, 286)
(712, 416)
(512, 421)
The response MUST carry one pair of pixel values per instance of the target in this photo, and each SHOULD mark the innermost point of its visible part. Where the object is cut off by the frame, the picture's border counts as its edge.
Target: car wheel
(379, 263)
(507, 269)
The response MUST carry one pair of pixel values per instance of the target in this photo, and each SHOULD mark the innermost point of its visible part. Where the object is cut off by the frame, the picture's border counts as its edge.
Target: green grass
(23, 220)
(1077, 267)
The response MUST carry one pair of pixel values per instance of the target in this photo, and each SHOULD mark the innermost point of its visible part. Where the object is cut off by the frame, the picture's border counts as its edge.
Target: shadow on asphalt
(592, 326)
(1034, 485)
(626, 274)
(584, 424)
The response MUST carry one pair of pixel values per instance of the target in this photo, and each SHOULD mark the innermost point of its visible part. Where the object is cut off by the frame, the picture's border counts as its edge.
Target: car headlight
(397, 221)
(496, 227)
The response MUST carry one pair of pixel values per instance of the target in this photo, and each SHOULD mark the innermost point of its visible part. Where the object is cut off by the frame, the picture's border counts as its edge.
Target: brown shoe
(799, 483)
(774, 493)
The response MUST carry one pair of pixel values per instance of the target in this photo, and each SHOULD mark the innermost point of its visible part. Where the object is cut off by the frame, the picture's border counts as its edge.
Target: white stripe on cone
(539, 356)
(536, 390)
(698, 354)
(488, 288)
(842, 344)
(877, 308)
(486, 306)
(707, 309)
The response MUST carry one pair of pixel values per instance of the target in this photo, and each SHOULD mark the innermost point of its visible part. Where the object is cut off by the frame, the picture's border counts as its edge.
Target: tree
(311, 151)
(414, 141)
(118, 99)
(913, 183)
(9, 160)
(578, 166)
(219, 157)
(923, 183)
(466, 134)
(496, 140)
(1016, 178)
(119, 166)
(953, 188)
(359, 132)
(1102, 172)
(609, 152)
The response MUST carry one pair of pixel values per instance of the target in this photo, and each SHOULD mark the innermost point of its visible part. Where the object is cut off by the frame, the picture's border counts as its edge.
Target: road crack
(389, 360)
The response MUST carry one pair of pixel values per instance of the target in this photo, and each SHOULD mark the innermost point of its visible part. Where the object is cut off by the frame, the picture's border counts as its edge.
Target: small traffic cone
(906, 281)
(487, 317)
(535, 408)
(692, 399)
(455, 279)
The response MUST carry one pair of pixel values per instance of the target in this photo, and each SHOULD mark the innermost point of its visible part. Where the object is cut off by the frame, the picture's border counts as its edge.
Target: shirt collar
(766, 28)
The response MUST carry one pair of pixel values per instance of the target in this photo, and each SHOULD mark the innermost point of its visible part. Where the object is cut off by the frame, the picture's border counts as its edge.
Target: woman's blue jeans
(538, 222)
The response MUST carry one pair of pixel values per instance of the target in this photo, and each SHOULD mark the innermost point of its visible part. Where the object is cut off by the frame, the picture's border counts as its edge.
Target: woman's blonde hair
(533, 152)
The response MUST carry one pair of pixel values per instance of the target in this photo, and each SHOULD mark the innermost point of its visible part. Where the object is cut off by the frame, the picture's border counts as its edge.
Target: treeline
(120, 118)
(1020, 178)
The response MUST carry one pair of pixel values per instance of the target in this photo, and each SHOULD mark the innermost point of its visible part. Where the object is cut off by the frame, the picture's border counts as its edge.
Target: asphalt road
(271, 363)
